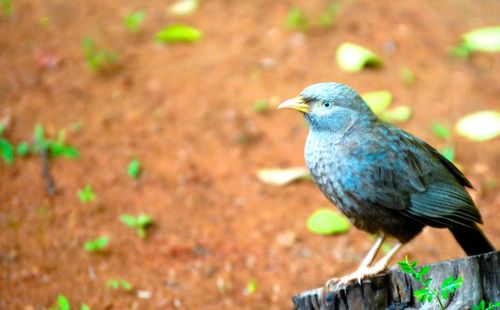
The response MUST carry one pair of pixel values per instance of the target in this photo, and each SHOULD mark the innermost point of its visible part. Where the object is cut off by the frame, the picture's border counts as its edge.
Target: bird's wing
(408, 175)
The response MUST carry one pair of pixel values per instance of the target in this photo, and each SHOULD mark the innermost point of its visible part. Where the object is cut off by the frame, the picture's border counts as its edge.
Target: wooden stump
(394, 289)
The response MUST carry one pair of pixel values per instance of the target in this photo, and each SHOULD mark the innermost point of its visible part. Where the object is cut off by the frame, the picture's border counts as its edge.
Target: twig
(49, 181)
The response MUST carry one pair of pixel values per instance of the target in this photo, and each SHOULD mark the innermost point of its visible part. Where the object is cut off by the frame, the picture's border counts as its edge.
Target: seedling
(7, 7)
(55, 148)
(23, 149)
(441, 131)
(482, 306)
(261, 106)
(134, 168)
(6, 149)
(63, 304)
(86, 194)
(407, 76)
(139, 223)
(251, 287)
(97, 60)
(119, 284)
(296, 19)
(426, 293)
(96, 245)
(133, 21)
(327, 18)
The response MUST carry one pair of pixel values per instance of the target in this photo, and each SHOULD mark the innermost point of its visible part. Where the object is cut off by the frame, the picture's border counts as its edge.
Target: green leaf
(424, 270)
(441, 131)
(184, 7)
(397, 114)
(23, 149)
(325, 221)
(261, 106)
(405, 267)
(126, 286)
(97, 244)
(143, 220)
(128, 220)
(6, 151)
(423, 294)
(133, 21)
(134, 168)
(63, 302)
(178, 33)
(450, 285)
(448, 152)
(296, 19)
(483, 39)
(251, 287)
(280, 177)
(7, 7)
(327, 18)
(378, 101)
(407, 76)
(84, 307)
(39, 138)
(97, 60)
(86, 194)
(479, 126)
(353, 58)
(2, 128)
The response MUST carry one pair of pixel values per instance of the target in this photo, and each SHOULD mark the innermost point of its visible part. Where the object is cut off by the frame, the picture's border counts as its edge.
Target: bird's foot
(358, 276)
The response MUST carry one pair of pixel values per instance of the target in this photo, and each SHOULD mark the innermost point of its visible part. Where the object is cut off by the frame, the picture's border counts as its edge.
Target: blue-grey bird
(384, 180)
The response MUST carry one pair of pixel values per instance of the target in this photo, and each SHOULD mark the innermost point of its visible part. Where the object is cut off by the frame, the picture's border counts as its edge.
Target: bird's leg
(362, 273)
(364, 264)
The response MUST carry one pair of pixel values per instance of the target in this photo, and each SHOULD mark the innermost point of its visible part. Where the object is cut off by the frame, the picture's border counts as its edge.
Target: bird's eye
(326, 104)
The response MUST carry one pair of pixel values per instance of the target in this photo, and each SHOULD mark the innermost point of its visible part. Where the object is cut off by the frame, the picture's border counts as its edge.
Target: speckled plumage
(382, 178)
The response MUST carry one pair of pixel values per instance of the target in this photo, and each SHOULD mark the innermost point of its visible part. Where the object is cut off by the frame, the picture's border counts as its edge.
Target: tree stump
(394, 289)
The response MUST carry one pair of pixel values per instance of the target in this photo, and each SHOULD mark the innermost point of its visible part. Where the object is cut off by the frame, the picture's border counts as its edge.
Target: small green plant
(261, 106)
(441, 131)
(7, 7)
(426, 293)
(296, 19)
(63, 304)
(23, 149)
(55, 148)
(134, 168)
(6, 149)
(133, 21)
(139, 223)
(86, 194)
(96, 245)
(327, 18)
(97, 60)
(482, 306)
(119, 284)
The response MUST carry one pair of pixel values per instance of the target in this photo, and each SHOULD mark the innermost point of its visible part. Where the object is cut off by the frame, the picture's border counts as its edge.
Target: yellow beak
(297, 103)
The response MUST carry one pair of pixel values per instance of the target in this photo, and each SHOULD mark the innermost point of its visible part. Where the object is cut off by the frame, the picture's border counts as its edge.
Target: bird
(385, 180)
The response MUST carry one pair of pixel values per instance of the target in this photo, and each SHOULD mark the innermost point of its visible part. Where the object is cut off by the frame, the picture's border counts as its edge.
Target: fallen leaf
(479, 126)
(325, 221)
(281, 177)
(378, 101)
(353, 58)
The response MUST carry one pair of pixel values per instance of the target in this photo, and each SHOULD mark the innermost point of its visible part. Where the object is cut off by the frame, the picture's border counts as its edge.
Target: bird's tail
(472, 240)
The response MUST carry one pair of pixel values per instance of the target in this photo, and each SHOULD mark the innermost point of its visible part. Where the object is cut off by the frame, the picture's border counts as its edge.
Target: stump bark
(394, 289)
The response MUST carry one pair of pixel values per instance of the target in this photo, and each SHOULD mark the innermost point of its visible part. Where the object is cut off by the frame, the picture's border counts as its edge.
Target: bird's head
(330, 106)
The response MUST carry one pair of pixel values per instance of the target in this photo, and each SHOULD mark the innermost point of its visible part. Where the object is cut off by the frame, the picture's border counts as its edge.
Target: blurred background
(154, 136)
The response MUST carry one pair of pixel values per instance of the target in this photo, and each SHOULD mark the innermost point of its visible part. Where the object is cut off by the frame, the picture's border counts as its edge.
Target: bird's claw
(356, 276)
